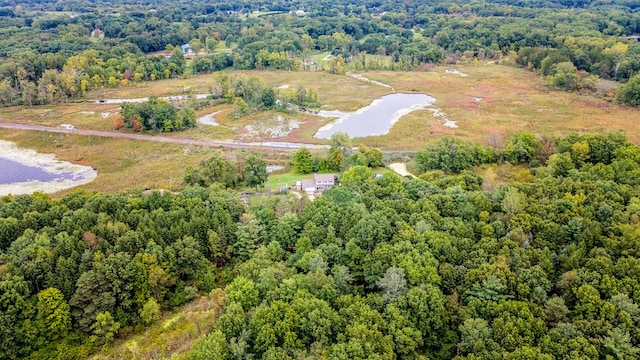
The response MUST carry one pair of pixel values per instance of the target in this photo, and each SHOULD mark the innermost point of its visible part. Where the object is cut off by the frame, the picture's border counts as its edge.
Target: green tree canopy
(303, 161)
(255, 171)
(629, 93)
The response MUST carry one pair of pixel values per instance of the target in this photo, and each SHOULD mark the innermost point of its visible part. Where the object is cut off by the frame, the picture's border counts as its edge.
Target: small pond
(25, 171)
(374, 119)
(15, 172)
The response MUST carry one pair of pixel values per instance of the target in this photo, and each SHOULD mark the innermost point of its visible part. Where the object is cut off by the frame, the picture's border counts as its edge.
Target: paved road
(278, 146)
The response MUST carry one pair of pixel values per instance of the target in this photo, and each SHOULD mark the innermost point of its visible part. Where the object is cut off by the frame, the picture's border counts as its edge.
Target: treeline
(220, 169)
(249, 94)
(611, 60)
(340, 156)
(612, 151)
(52, 78)
(453, 156)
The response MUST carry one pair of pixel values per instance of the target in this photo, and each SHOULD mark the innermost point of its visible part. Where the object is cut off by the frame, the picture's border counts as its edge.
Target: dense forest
(54, 51)
(443, 266)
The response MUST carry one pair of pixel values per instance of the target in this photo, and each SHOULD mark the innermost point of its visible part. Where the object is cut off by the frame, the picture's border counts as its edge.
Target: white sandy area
(285, 86)
(456, 72)
(401, 168)
(144, 99)
(46, 162)
(209, 119)
(442, 116)
(331, 113)
(366, 79)
(451, 124)
(272, 168)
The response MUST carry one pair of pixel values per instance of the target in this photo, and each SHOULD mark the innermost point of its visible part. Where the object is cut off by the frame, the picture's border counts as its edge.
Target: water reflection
(374, 119)
(15, 172)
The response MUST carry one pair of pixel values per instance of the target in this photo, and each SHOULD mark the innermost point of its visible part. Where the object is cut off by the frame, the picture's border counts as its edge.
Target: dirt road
(278, 146)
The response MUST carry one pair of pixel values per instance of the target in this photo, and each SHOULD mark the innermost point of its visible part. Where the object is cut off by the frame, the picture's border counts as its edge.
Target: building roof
(323, 177)
(308, 183)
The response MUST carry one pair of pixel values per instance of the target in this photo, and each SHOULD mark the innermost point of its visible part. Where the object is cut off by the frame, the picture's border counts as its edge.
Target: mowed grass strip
(289, 178)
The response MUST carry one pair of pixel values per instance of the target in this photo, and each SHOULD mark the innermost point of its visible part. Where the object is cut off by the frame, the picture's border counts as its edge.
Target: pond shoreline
(388, 114)
(70, 175)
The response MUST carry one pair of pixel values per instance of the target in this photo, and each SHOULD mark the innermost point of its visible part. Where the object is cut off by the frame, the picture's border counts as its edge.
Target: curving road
(278, 146)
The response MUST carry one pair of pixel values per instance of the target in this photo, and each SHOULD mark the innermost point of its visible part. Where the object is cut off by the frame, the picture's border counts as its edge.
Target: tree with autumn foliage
(118, 123)
(135, 124)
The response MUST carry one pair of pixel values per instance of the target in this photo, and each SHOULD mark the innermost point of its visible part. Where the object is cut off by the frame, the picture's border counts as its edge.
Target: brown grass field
(510, 100)
(171, 336)
(123, 164)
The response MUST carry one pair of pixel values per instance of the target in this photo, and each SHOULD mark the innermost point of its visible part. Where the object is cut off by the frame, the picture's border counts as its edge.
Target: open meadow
(488, 105)
(121, 163)
(495, 101)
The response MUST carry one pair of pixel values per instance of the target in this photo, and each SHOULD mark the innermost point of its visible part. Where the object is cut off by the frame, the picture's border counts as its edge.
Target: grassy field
(171, 336)
(334, 91)
(123, 164)
(491, 103)
(276, 180)
(495, 101)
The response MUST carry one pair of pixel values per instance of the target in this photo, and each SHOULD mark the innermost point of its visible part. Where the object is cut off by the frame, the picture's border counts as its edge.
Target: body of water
(15, 172)
(376, 118)
(25, 171)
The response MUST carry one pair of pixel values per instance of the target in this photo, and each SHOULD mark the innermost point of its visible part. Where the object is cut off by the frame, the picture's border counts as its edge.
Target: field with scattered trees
(517, 237)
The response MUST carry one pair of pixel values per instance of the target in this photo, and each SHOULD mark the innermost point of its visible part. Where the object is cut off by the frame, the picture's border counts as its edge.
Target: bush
(630, 93)
(450, 155)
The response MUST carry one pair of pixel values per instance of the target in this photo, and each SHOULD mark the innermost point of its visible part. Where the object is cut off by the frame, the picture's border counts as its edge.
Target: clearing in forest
(488, 105)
